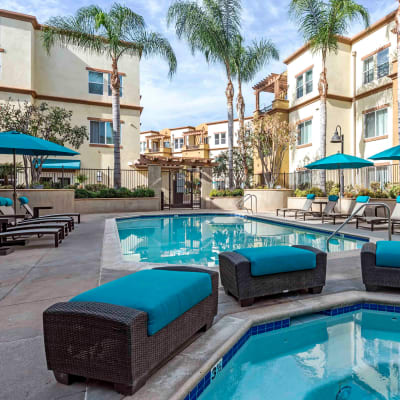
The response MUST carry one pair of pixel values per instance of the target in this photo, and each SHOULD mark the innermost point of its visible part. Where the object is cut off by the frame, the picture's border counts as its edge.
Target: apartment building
(204, 141)
(74, 80)
(362, 95)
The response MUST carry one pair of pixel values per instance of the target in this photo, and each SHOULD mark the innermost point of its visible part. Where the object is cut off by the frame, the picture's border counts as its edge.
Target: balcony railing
(266, 108)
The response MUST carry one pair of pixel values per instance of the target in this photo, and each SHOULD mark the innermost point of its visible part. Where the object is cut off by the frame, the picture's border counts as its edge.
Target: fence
(130, 178)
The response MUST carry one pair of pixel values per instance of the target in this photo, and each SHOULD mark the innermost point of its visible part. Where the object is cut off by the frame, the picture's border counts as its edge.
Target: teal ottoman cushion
(23, 200)
(387, 254)
(163, 295)
(276, 259)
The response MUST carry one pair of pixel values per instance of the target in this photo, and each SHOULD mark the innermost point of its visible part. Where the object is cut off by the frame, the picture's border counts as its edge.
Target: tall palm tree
(321, 23)
(247, 61)
(115, 33)
(397, 31)
(210, 28)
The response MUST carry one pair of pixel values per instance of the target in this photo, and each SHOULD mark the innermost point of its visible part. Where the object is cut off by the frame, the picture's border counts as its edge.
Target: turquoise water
(198, 239)
(349, 357)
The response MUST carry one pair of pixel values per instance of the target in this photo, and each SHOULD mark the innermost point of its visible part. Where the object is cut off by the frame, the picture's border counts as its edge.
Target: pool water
(198, 239)
(347, 357)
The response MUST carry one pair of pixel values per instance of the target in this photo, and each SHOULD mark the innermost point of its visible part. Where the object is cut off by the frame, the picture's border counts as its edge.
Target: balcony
(196, 151)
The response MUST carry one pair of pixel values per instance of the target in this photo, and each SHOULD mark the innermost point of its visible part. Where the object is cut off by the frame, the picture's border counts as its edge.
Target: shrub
(95, 187)
(113, 193)
(226, 193)
(394, 191)
(314, 190)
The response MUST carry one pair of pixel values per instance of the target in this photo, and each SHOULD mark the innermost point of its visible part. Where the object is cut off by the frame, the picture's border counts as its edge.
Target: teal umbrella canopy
(340, 161)
(389, 154)
(13, 142)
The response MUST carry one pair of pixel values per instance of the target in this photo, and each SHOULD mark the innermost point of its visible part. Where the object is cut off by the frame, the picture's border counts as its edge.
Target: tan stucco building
(74, 80)
(362, 96)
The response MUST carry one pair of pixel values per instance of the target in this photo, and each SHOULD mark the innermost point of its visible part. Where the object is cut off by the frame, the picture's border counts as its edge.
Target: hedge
(226, 193)
(113, 193)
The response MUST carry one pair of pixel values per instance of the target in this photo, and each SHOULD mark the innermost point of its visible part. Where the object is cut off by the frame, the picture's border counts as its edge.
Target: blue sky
(196, 93)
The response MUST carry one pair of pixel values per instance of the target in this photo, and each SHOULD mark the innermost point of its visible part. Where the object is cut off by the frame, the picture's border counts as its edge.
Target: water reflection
(199, 239)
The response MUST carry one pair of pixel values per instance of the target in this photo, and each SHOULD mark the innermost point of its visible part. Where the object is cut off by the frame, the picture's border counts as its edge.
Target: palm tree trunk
(240, 107)
(116, 118)
(229, 97)
(323, 92)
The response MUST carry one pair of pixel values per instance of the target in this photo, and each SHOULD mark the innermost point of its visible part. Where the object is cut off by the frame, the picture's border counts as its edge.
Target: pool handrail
(249, 196)
(355, 211)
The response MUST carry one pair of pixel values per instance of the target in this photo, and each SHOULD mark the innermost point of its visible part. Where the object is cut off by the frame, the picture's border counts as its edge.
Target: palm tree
(246, 63)
(211, 28)
(115, 33)
(397, 31)
(321, 23)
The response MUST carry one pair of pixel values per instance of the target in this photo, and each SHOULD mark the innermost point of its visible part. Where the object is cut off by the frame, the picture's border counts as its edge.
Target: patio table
(36, 210)
(320, 203)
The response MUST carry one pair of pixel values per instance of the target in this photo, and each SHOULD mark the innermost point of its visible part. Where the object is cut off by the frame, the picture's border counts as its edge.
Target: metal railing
(351, 216)
(247, 197)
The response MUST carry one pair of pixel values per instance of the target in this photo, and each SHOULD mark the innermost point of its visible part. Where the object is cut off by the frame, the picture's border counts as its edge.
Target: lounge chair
(306, 207)
(7, 210)
(57, 233)
(122, 331)
(24, 203)
(359, 201)
(380, 265)
(328, 209)
(372, 221)
(250, 273)
(46, 225)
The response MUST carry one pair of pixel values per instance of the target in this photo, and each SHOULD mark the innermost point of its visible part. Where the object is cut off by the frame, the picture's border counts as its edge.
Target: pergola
(273, 83)
(199, 137)
(172, 162)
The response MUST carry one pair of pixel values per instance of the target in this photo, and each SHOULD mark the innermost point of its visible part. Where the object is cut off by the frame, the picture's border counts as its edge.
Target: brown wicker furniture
(111, 343)
(374, 276)
(237, 280)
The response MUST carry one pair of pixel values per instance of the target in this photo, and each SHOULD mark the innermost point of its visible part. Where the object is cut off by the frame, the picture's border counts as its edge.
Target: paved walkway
(38, 275)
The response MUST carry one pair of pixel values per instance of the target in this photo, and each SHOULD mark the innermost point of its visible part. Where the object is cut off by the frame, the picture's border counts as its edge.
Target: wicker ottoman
(375, 276)
(238, 281)
(111, 343)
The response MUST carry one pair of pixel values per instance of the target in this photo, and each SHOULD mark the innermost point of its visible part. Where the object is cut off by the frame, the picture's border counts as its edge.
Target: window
(178, 143)
(376, 123)
(309, 81)
(223, 138)
(299, 86)
(167, 144)
(142, 147)
(368, 70)
(101, 132)
(95, 82)
(383, 63)
(216, 139)
(109, 85)
(304, 133)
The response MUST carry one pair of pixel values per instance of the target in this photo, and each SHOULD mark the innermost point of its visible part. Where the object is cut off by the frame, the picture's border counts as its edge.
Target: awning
(52, 163)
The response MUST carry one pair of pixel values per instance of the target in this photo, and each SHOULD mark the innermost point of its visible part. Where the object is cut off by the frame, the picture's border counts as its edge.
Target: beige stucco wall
(268, 199)
(225, 203)
(93, 206)
(26, 65)
(62, 200)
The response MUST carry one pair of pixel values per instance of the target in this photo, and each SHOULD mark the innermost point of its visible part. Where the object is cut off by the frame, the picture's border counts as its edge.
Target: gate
(183, 189)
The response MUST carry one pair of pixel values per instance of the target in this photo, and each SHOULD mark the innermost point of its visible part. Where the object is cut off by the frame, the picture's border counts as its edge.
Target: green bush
(394, 191)
(113, 193)
(226, 193)
(95, 187)
(314, 190)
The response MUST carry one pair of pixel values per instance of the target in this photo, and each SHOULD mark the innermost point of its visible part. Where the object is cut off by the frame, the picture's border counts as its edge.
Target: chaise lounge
(122, 331)
(307, 206)
(250, 273)
(380, 265)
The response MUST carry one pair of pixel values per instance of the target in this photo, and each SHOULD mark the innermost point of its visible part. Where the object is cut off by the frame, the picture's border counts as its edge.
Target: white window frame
(368, 72)
(385, 64)
(95, 83)
(142, 147)
(216, 139)
(306, 86)
(223, 138)
(299, 87)
(300, 141)
(178, 143)
(375, 112)
(308, 83)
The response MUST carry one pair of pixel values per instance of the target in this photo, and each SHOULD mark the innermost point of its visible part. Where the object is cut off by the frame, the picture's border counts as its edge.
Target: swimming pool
(351, 356)
(199, 238)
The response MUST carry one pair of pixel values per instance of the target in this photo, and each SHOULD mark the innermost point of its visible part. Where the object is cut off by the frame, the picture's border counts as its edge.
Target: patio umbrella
(389, 154)
(340, 161)
(13, 142)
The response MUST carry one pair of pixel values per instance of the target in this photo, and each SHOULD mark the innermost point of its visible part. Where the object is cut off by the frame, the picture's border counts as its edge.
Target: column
(206, 185)
(155, 181)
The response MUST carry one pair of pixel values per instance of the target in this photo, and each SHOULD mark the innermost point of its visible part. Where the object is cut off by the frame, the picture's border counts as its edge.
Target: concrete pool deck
(38, 275)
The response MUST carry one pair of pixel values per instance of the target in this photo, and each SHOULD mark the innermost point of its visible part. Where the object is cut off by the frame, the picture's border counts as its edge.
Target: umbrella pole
(15, 183)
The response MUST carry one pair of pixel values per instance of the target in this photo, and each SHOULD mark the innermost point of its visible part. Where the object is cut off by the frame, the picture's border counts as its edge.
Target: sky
(196, 93)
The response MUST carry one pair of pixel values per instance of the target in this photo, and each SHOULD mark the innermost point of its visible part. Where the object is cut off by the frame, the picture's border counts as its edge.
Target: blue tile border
(253, 331)
(276, 325)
